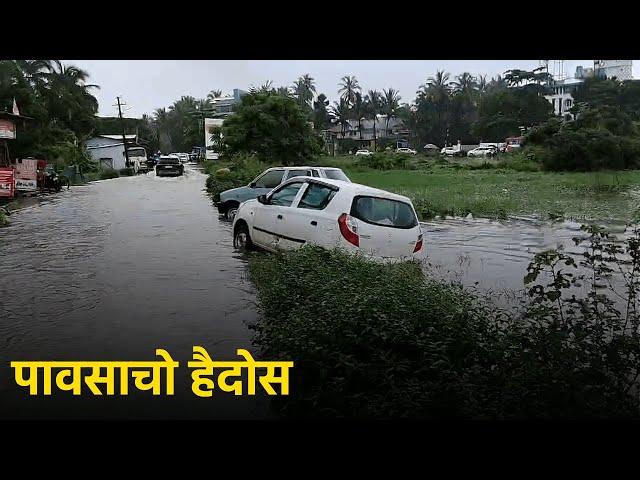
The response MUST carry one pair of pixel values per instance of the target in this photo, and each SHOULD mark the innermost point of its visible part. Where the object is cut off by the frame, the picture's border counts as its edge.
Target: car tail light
(349, 229)
(418, 246)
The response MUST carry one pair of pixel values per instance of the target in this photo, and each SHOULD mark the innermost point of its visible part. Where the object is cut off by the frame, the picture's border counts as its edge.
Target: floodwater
(115, 269)
(112, 271)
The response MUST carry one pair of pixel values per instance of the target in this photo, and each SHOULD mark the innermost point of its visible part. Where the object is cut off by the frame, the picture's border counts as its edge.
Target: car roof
(354, 188)
(301, 167)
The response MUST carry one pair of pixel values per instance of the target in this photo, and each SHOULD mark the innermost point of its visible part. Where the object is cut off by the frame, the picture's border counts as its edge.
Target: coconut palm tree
(348, 88)
(390, 103)
(373, 102)
(213, 94)
(466, 84)
(320, 113)
(304, 88)
(340, 112)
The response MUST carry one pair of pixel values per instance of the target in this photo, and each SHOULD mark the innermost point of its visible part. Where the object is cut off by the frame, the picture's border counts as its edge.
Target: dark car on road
(169, 166)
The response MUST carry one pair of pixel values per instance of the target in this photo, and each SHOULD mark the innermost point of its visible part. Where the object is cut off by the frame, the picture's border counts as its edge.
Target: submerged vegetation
(379, 340)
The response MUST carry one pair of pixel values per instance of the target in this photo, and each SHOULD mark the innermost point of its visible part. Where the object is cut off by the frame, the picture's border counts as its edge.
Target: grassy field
(457, 189)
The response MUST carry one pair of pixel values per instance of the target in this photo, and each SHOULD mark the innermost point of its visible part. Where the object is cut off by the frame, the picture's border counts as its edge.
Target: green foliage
(241, 171)
(3, 218)
(383, 341)
(274, 127)
(108, 173)
(600, 138)
(385, 161)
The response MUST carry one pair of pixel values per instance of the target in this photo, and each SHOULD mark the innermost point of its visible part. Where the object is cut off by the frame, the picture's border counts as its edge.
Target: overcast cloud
(149, 84)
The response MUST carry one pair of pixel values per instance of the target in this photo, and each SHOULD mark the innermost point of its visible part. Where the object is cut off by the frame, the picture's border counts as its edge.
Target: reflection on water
(114, 270)
(493, 255)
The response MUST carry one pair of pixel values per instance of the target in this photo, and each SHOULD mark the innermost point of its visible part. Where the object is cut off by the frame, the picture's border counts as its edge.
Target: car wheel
(241, 237)
(231, 212)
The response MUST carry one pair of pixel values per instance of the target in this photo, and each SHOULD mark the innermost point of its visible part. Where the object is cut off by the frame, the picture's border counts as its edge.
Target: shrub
(385, 161)
(108, 173)
(380, 340)
(242, 170)
(3, 218)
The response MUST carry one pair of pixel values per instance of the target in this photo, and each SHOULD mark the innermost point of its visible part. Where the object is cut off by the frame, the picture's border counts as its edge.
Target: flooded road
(115, 269)
(112, 271)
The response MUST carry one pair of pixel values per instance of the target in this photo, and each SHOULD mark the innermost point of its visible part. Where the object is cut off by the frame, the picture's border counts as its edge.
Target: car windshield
(169, 161)
(384, 212)
(336, 174)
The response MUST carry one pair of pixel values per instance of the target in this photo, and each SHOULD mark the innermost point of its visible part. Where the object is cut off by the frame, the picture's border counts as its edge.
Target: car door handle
(314, 223)
(279, 217)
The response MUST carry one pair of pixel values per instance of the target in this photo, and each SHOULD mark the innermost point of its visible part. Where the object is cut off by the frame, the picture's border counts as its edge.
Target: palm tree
(373, 102)
(304, 88)
(390, 103)
(213, 94)
(439, 85)
(359, 111)
(348, 88)
(466, 84)
(284, 91)
(482, 84)
(320, 113)
(340, 113)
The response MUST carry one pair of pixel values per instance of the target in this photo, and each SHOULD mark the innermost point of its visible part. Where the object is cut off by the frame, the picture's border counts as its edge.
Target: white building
(621, 69)
(108, 150)
(562, 89)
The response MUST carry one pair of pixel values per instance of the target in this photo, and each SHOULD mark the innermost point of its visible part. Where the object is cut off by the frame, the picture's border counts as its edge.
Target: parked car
(488, 151)
(364, 152)
(453, 151)
(230, 200)
(513, 143)
(431, 149)
(330, 213)
(406, 150)
(169, 165)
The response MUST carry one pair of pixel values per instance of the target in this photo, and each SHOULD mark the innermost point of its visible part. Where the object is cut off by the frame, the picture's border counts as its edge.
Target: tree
(340, 113)
(348, 88)
(213, 94)
(272, 126)
(320, 114)
(390, 103)
(359, 111)
(303, 89)
(373, 103)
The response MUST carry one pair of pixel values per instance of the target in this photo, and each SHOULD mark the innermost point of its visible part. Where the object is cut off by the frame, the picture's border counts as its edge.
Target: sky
(145, 85)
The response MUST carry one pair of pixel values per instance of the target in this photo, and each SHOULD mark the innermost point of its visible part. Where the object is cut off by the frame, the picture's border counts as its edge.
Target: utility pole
(124, 137)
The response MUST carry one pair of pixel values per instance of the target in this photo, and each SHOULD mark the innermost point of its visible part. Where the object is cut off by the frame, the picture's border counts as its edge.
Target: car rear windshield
(384, 212)
(169, 161)
(336, 175)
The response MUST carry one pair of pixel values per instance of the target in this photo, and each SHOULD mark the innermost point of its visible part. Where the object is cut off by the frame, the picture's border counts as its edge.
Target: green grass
(3, 219)
(462, 187)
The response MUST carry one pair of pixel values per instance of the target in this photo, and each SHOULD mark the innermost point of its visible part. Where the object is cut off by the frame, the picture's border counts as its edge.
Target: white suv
(330, 213)
(364, 152)
(406, 150)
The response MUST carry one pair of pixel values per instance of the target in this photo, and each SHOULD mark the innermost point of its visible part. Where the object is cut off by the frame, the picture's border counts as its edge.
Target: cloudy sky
(149, 84)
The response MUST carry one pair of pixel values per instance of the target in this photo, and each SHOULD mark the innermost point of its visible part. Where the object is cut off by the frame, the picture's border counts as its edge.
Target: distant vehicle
(406, 150)
(169, 165)
(487, 151)
(331, 214)
(431, 149)
(137, 158)
(453, 151)
(513, 143)
(364, 152)
(230, 200)
(184, 157)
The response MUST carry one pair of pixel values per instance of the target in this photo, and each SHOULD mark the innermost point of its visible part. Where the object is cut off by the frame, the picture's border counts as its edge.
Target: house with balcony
(395, 130)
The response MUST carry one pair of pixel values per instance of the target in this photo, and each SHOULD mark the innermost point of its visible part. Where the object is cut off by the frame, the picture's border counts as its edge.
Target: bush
(3, 218)
(385, 161)
(108, 173)
(380, 340)
(526, 160)
(242, 170)
(126, 172)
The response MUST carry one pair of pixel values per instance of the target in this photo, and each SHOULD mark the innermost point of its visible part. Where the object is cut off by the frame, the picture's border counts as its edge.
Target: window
(336, 175)
(315, 173)
(383, 212)
(298, 173)
(284, 196)
(567, 103)
(317, 196)
(270, 179)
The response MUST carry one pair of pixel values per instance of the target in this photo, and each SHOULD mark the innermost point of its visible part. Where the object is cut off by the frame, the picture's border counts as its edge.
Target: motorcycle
(53, 181)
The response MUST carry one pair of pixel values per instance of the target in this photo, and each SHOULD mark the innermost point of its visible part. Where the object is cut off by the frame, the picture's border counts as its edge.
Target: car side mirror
(252, 185)
(262, 199)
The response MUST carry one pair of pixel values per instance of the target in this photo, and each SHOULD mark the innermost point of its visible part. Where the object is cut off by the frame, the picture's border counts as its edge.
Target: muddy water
(114, 270)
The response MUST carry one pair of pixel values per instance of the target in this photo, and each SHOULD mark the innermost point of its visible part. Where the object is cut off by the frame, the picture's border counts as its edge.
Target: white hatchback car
(330, 213)
(406, 150)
